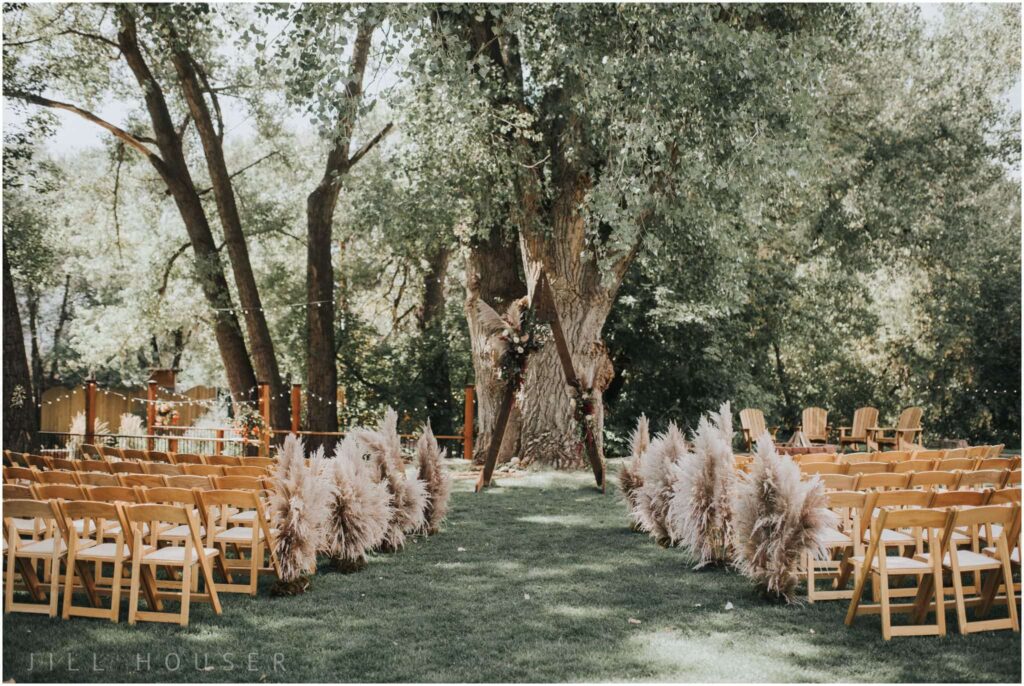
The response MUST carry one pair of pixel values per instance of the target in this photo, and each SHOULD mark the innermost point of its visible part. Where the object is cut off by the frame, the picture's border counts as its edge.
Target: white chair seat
(175, 555)
(179, 533)
(27, 526)
(247, 517)
(45, 546)
(1014, 554)
(890, 537)
(80, 526)
(238, 534)
(834, 539)
(903, 564)
(105, 552)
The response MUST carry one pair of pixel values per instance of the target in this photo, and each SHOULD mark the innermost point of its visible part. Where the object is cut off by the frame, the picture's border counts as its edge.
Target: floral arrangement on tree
(166, 415)
(512, 337)
(250, 424)
(779, 518)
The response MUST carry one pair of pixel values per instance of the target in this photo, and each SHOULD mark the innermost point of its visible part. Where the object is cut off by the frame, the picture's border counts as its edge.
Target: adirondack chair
(753, 426)
(906, 433)
(814, 424)
(858, 433)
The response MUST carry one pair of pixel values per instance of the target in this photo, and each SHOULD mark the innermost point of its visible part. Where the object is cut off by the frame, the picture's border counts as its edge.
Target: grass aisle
(537, 580)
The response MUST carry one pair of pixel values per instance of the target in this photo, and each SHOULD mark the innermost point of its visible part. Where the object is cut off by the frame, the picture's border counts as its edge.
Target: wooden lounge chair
(814, 424)
(753, 426)
(904, 435)
(857, 434)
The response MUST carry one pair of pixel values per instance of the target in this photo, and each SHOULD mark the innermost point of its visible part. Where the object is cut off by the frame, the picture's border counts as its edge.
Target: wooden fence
(60, 405)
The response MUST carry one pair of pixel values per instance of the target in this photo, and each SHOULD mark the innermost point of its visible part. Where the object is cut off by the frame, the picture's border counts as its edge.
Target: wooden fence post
(172, 443)
(296, 406)
(218, 445)
(264, 404)
(90, 412)
(467, 425)
(150, 413)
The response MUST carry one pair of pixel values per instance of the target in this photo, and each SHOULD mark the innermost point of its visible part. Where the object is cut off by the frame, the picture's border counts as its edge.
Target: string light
(271, 308)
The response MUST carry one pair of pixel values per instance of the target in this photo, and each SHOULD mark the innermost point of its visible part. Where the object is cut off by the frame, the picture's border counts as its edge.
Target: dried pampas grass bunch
(654, 496)
(777, 519)
(360, 508)
(435, 476)
(299, 509)
(629, 475)
(700, 512)
(408, 496)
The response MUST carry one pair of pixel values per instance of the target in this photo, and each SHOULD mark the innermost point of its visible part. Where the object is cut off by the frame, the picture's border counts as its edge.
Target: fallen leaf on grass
(634, 621)
(728, 606)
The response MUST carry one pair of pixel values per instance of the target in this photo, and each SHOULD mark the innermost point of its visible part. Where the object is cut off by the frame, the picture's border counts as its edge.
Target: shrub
(653, 497)
(360, 509)
(778, 518)
(700, 511)
(299, 510)
(436, 478)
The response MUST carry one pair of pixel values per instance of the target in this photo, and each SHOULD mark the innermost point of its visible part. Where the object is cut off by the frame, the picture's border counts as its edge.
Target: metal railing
(216, 443)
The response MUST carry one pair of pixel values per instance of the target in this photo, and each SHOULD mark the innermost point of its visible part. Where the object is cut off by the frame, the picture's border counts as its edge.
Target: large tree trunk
(35, 356)
(19, 407)
(321, 365)
(433, 360)
(493, 276)
(261, 346)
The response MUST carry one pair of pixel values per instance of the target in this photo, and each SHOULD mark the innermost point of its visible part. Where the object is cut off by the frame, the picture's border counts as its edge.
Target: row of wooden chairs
(944, 480)
(94, 455)
(85, 469)
(29, 476)
(947, 534)
(1001, 464)
(896, 456)
(171, 529)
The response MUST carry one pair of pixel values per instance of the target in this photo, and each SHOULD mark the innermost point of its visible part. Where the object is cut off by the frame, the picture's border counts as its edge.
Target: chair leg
(69, 583)
(958, 591)
(1011, 601)
(55, 581)
(115, 591)
(9, 590)
(133, 591)
(858, 589)
(883, 578)
(186, 590)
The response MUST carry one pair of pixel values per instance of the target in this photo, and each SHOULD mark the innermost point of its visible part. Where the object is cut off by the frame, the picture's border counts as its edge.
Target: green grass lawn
(539, 579)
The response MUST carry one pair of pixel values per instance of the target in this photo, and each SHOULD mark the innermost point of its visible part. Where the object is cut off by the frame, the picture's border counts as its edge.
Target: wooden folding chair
(160, 456)
(839, 482)
(187, 458)
(976, 452)
(113, 495)
(914, 465)
(162, 468)
(134, 454)
(255, 536)
(933, 455)
(930, 480)
(58, 477)
(192, 558)
(23, 556)
(868, 468)
(894, 457)
(32, 529)
(14, 459)
(957, 464)
(857, 434)
(854, 458)
(996, 450)
(882, 481)
(204, 470)
(238, 483)
(97, 479)
(127, 468)
(91, 452)
(143, 480)
(959, 562)
(257, 472)
(110, 453)
(1001, 464)
(984, 478)
(962, 536)
(842, 542)
(223, 460)
(927, 525)
(96, 552)
(809, 468)
(989, 534)
(65, 492)
(255, 461)
(63, 464)
(188, 481)
(39, 462)
(21, 475)
(1012, 479)
(94, 466)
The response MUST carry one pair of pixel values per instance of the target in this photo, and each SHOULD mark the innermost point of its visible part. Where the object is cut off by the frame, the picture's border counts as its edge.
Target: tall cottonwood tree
(611, 127)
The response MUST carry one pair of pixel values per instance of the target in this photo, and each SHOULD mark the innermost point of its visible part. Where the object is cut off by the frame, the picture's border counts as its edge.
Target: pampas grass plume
(360, 508)
(653, 497)
(435, 477)
(629, 475)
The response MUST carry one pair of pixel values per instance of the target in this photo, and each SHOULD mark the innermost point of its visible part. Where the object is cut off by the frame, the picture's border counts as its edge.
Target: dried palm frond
(778, 518)
(360, 508)
(629, 474)
(654, 496)
(408, 496)
(434, 475)
(299, 509)
(700, 512)
(76, 433)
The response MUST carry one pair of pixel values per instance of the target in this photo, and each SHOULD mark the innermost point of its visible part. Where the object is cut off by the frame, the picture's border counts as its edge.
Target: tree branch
(137, 142)
(369, 145)
(204, 191)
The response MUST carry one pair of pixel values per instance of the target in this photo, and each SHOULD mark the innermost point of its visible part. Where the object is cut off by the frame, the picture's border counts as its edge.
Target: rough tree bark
(321, 365)
(433, 361)
(493, 276)
(261, 345)
(19, 408)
